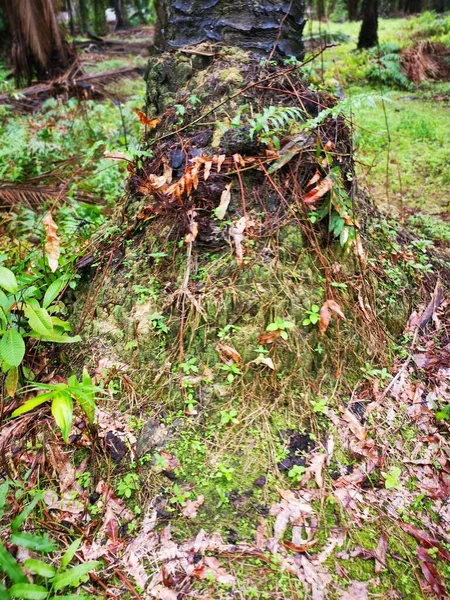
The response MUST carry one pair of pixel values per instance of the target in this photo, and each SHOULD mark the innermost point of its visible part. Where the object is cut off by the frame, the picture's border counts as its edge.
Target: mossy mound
(215, 312)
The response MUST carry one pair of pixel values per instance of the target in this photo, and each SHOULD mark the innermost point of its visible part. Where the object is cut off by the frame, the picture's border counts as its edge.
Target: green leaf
(62, 411)
(272, 327)
(32, 403)
(70, 553)
(5, 302)
(8, 280)
(38, 567)
(9, 566)
(54, 289)
(23, 516)
(11, 380)
(39, 320)
(30, 541)
(12, 348)
(4, 595)
(64, 325)
(87, 403)
(73, 576)
(59, 338)
(4, 487)
(28, 591)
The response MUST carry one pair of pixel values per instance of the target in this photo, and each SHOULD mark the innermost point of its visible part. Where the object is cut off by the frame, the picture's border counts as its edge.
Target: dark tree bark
(352, 7)
(255, 25)
(411, 7)
(368, 36)
(121, 17)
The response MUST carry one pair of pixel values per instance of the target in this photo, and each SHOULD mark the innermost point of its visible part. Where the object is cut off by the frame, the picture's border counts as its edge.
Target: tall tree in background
(38, 48)
(352, 8)
(368, 36)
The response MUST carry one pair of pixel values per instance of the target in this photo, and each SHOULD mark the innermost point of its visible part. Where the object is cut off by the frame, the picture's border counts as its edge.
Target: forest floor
(239, 500)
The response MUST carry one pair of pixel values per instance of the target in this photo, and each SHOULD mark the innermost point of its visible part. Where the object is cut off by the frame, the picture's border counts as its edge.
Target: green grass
(402, 139)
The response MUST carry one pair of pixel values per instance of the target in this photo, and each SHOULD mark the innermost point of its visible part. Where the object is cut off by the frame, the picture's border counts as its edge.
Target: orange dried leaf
(151, 123)
(325, 315)
(318, 191)
(52, 244)
(220, 161)
(208, 166)
(314, 179)
(269, 337)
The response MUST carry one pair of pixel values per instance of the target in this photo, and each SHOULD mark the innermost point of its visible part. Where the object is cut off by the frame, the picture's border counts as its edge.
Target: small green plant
(227, 330)
(180, 496)
(370, 373)
(61, 395)
(158, 323)
(312, 316)
(391, 479)
(281, 326)
(146, 292)
(232, 371)
(190, 366)
(27, 312)
(296, 473)
(229, 416)
(320, 406)
(128, 485)
(274, 121)
(49, 581)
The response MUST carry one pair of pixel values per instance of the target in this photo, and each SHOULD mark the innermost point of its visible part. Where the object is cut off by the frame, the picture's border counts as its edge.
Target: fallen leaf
(325, 315)
(151, 123)
(163, 593)
(213, 569)
(314, 179)
(224, 202)
(193, 227)
(318, 191)
(220, 161)
(378, 554)
(315, 469)
(357, 590)
(191, 507)
(269, 337)
(431, 574)
(228, 352)
(263, 360)
(355, 426)
(237, 233)
(52, 244)
(208, 165)
(426, 539)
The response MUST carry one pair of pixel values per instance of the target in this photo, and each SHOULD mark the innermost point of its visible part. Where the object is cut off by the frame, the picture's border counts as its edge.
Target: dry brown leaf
(318, 191)
(161, 592)
(315, 469)
(328, 146)
(52, 244)
(191, 507)
(167, 171)
(431, 574)
(269, 337)
(193, 227)
(228, 352)
(237, 233)
(224, 202)
(355, 426)
(263, 360)
(208, 166)
(325, 314)
(314, 179)
(220, 161)
(357, 590)
(213, 569)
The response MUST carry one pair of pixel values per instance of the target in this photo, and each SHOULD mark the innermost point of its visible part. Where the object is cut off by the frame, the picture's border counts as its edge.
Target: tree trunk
(352, 7)
(38, 47)
(412, 7)
(121, 16)
(368, 36)
(255, 25)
